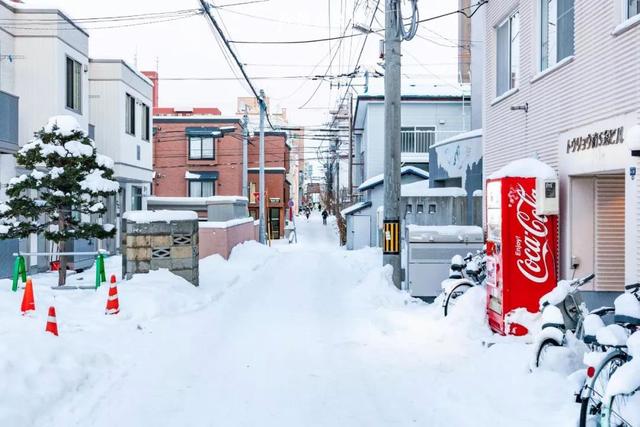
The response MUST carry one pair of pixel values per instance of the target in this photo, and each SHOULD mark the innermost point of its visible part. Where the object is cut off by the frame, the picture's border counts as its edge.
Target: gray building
(562, 85)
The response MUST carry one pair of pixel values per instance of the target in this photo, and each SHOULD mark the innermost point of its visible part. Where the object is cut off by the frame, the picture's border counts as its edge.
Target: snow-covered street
(293, 335)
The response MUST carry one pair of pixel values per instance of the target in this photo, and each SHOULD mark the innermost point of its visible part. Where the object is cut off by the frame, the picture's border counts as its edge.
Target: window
(201, 188)
(136, 198)
(137, 152)
(130, 111)
(432, 208)
(201, 147)
(556, 31)
(508, 55)
(420, 209)
(145, 122)
(633, 8)
(74, 85)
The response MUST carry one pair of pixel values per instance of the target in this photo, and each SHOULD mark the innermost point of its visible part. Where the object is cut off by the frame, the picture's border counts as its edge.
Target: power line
(347, 36)
(206, 8)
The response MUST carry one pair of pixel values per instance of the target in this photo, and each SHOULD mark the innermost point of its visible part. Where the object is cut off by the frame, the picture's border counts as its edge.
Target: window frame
(559, 44)
(145, 133)
(130, 114)
(201, 138)
(627, 9)
(513, 81)
(200, 182)
(73, 82)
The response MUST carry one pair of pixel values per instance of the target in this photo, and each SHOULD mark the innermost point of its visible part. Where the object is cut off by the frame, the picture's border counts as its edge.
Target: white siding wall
(109, 85)
(7, 47)
(413, 114)
(598, 87)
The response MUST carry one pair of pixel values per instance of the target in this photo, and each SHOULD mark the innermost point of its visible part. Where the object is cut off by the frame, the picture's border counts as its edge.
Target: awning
(203, 131)
(201, 176)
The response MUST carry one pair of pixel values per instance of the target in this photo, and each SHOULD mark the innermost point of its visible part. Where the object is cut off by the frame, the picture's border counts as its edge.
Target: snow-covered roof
(194, 200)
(529, 167)
(460, 137)
(420, 88)
(145, 217)
(379, 179)
(477, 193)
(355, 208)
(415, 189)
(445, 192)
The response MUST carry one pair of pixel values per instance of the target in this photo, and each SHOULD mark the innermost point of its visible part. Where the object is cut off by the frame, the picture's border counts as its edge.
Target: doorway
(274, 223)
(598, 229)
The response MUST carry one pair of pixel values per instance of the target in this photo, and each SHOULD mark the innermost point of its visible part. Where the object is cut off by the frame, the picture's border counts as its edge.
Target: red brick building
(198, 153)
(277, 154)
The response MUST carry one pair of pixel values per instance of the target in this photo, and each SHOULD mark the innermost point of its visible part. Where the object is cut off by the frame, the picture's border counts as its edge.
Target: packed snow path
(294, 335)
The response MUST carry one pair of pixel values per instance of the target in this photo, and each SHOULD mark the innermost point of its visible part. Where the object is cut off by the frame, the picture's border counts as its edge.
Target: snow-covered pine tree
(66, 178)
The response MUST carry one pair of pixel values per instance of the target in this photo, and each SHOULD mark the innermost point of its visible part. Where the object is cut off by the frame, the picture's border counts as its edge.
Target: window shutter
(502, 55)
(565, 29)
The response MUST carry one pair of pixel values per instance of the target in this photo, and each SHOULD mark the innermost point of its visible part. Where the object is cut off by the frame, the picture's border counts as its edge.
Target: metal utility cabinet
(430, 252)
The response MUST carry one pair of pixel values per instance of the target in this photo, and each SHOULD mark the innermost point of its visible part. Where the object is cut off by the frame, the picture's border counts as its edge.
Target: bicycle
(464, 273)
(564, 316)
(596, 406)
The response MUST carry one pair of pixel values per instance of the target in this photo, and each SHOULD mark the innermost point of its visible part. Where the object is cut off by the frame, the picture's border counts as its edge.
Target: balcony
(415, 142)
(8, 123)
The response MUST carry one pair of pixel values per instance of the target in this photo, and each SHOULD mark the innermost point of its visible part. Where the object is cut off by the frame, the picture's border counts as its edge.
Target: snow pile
(78, 149)
(557, 294)
(415, 189)
(627, 307)
(145, 217)
(445, 192)
(612, 335)
(104, 161)
(66, 125)
(95, 182)
(592, 324)
(528, 167)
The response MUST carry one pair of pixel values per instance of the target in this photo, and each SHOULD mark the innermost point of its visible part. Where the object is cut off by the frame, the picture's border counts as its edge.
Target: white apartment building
(562, 84)
(120, 100)
(43, 73)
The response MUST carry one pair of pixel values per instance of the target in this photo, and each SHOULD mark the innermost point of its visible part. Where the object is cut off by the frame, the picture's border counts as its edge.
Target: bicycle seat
(633, 287)
(612, 335)
(627, 310)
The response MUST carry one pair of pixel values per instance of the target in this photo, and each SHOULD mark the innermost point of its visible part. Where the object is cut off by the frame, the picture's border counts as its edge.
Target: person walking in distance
(325, 214)
(307, 212)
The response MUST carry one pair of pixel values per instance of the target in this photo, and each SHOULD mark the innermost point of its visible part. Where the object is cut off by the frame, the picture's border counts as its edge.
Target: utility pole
(245, 154)
(350, 147)
(336, 157)
(263, 112)
(392, 100)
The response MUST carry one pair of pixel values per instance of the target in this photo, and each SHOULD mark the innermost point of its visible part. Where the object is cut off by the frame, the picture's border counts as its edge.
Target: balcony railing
(8, 123)
(416, 141)
(419, 140)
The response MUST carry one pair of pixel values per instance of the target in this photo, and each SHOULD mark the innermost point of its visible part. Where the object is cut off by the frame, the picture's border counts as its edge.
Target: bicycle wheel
(453, 296)
(623, 411)
(543, 351)
(591, 405)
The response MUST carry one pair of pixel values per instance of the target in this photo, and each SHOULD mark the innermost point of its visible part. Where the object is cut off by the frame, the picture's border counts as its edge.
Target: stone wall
(153, 245)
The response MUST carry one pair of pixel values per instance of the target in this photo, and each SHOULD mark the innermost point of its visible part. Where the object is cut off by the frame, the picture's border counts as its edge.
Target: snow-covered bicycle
(464, 273)
(603, 400)
(566, 321)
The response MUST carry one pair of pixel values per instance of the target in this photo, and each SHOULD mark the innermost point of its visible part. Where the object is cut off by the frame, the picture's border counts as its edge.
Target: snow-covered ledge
(626, 25)
(146, 217)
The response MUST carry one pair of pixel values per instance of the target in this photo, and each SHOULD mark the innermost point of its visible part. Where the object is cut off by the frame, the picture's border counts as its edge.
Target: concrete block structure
(169, 240)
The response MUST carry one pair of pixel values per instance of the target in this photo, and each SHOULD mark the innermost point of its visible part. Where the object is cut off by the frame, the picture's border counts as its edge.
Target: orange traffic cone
(113, 278)
(28, 303)
(52, 325)
(113, 306)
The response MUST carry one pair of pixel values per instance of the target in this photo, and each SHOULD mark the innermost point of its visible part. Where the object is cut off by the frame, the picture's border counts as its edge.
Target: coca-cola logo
(532, 249)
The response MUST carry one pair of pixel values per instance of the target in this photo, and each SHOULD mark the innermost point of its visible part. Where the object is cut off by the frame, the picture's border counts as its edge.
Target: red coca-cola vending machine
(522, 247)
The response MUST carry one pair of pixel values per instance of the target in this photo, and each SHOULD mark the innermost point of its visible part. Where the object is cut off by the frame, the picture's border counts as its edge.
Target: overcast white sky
(187, 48)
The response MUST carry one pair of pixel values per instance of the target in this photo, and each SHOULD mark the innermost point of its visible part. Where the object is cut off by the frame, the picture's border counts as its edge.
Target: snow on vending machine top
(522, 241)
